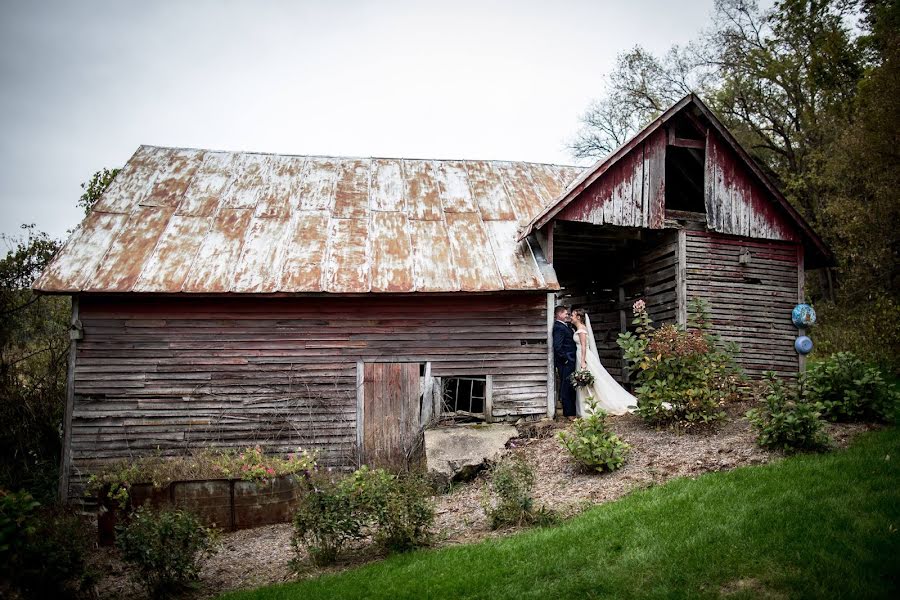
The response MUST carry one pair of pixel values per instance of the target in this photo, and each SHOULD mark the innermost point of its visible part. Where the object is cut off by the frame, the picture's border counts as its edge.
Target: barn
(340, 304)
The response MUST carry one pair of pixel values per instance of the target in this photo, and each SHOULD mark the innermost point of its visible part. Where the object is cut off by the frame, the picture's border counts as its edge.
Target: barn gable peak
(684, 164)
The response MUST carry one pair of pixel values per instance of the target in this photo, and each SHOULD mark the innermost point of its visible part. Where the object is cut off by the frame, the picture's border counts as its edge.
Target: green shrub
(398, 508)
(848, 389)
(592, 444)
(871, 331)
(787, 420)
(42, 550)
(682, 375)
(508, 500)
(328, 516)
(165, 549)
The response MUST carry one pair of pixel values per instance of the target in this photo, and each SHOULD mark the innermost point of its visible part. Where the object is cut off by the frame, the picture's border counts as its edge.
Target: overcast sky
(82, 84)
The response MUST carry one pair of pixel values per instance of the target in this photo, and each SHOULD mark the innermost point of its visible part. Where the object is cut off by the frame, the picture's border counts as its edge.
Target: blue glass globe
(803, 316)
(803, 345)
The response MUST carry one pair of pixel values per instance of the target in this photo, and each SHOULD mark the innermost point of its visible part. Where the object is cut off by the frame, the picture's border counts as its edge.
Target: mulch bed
(261, 556)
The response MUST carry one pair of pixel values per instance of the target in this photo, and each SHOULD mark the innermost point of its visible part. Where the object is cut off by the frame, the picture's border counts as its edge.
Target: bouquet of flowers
(581, 378)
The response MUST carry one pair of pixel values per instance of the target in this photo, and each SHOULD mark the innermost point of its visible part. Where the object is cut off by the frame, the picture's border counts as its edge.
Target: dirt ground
(261, 556)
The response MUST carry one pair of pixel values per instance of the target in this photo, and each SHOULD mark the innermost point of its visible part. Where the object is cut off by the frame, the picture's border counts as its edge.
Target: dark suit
(564, 359)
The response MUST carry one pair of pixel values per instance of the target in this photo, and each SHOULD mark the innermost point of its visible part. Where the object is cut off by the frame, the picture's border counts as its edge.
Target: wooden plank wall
(181, 373)
(750, 305)
(631, 193)
(737, 203)
(657, 270)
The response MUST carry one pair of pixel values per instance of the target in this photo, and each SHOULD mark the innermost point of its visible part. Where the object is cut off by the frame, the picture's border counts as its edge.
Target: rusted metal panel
(201, 198)
(304, 255)
(278, 197)
(392, 257)
(474, 262)
(249, 172)
(317, 186)
(134, 181)
(489, 192)
(351, 191)
(212, 270)
(526, 197)
(259, 268)
(211, 222)
(735, 202)
(388, 186)
(456, 197)
(435, 270)
(72, 267)
(130, 249)
(515, 261)
(171, 260)
(172, 181)
(347, 266)
(424, 193)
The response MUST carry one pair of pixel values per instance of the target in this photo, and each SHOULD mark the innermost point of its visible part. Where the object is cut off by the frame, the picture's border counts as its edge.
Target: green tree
(95, 187)
(34, 345)
(814, 100)
(33, 349)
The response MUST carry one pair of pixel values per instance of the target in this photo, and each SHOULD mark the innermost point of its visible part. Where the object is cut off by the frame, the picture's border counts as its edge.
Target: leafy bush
(328, 516)
(250, 464)
(787, 420)
(510, 501)
(42, 550)
(872, 333)
(165, 549)
(847, 389)
(397, 507)
(592, 444)
(682, 375)
(35, 341)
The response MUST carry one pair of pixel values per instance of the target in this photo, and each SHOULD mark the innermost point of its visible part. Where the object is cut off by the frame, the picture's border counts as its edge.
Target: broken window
(464, 396)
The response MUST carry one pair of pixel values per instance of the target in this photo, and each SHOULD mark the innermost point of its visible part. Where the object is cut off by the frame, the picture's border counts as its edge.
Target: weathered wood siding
(657, 269)
(750, 304)
(630, 194)
(737, 203)
(180, 373)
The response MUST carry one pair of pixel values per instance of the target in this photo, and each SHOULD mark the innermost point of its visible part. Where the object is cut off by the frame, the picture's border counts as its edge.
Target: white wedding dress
(609, 395)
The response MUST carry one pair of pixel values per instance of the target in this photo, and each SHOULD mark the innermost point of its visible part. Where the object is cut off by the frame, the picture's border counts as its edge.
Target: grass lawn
(824, 526)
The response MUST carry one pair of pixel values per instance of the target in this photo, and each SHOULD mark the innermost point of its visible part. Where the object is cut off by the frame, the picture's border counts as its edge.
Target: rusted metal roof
(195, 221)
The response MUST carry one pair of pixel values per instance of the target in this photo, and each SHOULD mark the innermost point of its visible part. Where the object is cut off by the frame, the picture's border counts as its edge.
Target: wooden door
(391, 436)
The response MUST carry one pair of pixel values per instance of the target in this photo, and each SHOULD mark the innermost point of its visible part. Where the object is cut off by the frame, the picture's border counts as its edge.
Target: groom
(564, 358)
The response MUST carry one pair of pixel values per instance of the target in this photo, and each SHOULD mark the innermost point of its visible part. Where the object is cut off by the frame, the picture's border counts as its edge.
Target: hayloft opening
(684, 179)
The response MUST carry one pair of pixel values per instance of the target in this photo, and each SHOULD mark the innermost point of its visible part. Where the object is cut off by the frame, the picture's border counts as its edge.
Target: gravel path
(256, 557)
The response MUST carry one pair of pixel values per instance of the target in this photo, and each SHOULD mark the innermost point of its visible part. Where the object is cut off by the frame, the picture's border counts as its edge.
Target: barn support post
(801, 285)
(551, 372)
(488, 398)
(360, 402)
(681, 278)
(65, 462)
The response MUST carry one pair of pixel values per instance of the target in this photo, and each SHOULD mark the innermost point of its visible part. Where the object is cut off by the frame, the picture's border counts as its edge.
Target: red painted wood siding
(630, 194)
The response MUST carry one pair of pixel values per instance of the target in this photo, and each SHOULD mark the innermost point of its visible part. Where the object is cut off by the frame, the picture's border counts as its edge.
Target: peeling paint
(199, 221)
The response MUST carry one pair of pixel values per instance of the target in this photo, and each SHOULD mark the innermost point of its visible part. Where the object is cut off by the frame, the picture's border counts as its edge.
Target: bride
(609, 395)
